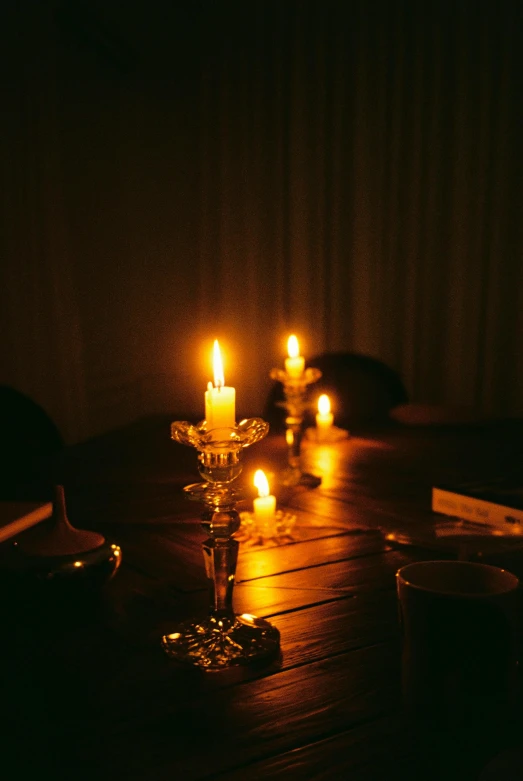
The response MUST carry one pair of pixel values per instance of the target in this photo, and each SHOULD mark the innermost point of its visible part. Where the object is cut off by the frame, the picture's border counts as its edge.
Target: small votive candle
(324, 416)
(295, 363)
(264, 505)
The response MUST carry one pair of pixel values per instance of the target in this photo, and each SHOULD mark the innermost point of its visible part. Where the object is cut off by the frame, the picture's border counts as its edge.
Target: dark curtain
(349, 171)
(362, 164)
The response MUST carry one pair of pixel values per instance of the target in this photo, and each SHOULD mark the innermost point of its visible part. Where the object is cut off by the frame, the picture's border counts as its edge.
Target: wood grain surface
(88, 691)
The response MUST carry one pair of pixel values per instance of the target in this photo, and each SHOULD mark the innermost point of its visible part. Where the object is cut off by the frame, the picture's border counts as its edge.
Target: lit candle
(324, 416)
(219, 399)
(295, 363)
(264, 504)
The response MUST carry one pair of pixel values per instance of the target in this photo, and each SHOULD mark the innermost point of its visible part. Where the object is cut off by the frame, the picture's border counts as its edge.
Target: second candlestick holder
(296, 404)
(221, 639)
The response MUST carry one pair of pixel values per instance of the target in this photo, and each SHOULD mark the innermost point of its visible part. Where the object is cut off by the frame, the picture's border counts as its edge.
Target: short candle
(324, 415)
(220, 411)
(295, 363)
(265, 504)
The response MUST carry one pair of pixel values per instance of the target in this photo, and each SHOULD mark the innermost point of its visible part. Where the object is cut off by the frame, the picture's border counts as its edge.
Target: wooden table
(88, 691)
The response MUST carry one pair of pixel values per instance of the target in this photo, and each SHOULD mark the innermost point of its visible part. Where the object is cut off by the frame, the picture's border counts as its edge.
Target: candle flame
(261, 483)
(324, 405)
(219, 380)
(293, 347)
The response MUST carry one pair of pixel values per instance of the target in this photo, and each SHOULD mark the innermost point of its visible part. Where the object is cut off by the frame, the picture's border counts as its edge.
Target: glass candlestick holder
(221, 639)
(278, 530)
(296, 404)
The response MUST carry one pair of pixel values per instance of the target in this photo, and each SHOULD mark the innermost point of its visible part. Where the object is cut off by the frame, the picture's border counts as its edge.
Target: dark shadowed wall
(172, 173)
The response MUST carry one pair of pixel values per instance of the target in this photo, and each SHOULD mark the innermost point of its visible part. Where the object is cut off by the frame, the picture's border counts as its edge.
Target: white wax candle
(220, 407)
(264, 508)
(220, 400)
(264, 505)
(295, 363)
(324, 416)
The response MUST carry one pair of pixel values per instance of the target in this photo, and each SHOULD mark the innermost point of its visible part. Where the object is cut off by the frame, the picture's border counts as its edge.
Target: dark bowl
(42, 596)
(89, 570)
(80, 573)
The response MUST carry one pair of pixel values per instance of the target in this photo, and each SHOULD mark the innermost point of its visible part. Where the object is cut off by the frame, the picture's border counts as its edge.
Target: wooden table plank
(344, 512)
(173, 554)
(100, 684)
(265, 717)
(367, 752)
(371, 572)
(301, 555)
(313, 634)
(178, 563)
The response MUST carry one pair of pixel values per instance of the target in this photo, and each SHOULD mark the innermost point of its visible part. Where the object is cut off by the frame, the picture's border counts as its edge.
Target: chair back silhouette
(29, 441)
(362, 390)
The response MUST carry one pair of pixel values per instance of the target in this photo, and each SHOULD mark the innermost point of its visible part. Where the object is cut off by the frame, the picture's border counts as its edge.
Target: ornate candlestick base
(215, 643)
(280, 530)
(295, 403)
(222, 639)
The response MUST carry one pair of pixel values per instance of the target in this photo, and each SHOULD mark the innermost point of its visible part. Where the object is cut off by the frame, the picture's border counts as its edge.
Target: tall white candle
(220, 400)
(295, 363)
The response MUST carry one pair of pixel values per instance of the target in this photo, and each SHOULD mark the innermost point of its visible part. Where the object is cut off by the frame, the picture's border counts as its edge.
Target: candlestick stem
(295, 392)
(222, 639)
(220, 556)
